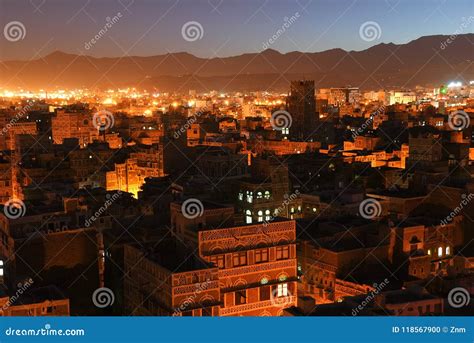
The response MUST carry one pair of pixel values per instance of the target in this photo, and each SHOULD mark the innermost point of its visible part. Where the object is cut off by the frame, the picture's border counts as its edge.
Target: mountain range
(427, 61)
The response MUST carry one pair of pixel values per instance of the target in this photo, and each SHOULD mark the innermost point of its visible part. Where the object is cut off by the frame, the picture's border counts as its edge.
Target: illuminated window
(261, 255)
(282, 290)
(267, 195)
(429, 252)
(239, 259)
(248, 217)
(260, 216)
(448, 251)
(249, 197)
(218, 260)
(440, 251)
(267, 215)
(241, 196)
(1, 267)
(314, 209)
(282, 253)
(259, 195)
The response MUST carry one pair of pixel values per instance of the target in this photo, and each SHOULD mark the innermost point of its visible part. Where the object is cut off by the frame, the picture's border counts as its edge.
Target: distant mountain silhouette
(420, 62)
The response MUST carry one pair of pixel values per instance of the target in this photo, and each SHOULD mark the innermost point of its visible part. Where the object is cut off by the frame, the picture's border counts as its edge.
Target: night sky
(230, 27)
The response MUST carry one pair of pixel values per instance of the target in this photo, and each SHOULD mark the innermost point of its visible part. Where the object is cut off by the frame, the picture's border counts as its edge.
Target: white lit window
(429, 252)
(260, 216)
(314, 209)
(440, 251)
(248, 218)
(241, 196)
(267, 195)
(259, 195)
(1, 267)
(448, 251)
(282, 290)
(267, 215)
(249, 197)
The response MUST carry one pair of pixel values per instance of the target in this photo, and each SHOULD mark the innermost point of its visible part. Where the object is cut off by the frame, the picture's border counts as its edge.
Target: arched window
(267, 215)
(248, 217)
(249, 197)
(260, 216)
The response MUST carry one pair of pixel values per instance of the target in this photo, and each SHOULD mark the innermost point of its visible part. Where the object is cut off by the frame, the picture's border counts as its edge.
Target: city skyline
(438, 60)
(268, 158)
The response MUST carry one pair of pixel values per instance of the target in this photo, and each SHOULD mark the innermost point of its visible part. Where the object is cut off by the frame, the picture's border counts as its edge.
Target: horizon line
(229, 56)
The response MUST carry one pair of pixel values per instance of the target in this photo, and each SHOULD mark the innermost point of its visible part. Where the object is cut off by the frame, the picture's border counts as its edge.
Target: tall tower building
(302, 108)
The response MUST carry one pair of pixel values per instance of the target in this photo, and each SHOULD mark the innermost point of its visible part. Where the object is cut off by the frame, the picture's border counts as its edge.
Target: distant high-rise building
(302, 108)
(343, 96)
